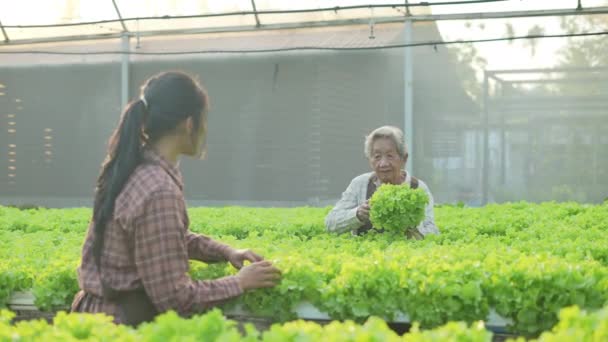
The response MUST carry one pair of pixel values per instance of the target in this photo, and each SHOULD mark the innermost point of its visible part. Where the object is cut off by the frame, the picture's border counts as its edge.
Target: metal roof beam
(511, 14)
(559, 80)
(241, 13)
(437, 17)
(546, 70)
(225, 29)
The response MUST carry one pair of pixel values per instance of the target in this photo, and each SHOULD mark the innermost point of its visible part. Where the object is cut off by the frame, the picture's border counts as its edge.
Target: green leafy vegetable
(397, 208)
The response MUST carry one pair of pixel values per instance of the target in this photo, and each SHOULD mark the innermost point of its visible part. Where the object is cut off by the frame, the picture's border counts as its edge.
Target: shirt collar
(408, 178)
(151, 156)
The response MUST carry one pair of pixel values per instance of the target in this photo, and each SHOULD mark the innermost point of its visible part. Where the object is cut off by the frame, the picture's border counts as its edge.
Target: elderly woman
(387, 154)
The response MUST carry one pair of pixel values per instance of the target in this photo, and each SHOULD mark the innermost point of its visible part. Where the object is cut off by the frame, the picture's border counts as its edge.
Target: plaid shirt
(147, 243)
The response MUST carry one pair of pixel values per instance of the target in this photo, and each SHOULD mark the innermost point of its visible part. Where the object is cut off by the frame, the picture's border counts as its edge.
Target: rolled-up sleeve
(343, 217)
(161, 253)
(428, 226)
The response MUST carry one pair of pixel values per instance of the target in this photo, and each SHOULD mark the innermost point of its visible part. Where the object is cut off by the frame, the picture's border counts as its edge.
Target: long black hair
(166, 100)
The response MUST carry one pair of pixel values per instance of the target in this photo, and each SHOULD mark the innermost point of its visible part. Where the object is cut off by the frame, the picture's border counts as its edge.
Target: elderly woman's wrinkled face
(386, 161)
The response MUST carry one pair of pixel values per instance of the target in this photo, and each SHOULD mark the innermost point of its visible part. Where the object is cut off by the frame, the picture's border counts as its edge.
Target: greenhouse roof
(31, 21)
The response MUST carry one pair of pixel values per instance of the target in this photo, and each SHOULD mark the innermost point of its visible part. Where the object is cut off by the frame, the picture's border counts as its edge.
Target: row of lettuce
(574, 325)
(525, 261)
(457, 223)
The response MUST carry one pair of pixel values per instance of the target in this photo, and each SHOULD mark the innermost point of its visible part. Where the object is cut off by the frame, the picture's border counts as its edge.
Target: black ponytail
(125, 152)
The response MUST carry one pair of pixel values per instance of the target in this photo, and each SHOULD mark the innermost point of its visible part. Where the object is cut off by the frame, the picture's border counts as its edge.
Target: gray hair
(390, 132)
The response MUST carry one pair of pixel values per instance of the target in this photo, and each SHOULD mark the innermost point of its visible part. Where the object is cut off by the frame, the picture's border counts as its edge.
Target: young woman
(135, 257)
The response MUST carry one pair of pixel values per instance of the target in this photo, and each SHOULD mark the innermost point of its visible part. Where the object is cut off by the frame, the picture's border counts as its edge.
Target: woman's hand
(363, 212)
(238, 256)
(259, 274)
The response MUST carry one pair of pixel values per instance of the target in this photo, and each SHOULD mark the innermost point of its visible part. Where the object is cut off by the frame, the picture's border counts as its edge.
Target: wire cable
(304, 48)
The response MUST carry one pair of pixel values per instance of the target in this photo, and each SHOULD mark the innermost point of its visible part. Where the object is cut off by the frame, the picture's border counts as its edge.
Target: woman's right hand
(363, 212)
(257, 275)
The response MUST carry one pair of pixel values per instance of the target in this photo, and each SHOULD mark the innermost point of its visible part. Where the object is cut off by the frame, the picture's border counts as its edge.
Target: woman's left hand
(238, 256)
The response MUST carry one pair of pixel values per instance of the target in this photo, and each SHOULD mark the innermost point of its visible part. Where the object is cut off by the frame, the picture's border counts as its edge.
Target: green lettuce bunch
(397, 208)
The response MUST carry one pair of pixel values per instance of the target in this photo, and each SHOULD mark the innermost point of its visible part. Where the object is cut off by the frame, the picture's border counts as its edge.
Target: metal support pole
(124, 71)
(595, 144)
(408, 122)
(407, 8)
(503, 150)
(486, 149)
(503, 142)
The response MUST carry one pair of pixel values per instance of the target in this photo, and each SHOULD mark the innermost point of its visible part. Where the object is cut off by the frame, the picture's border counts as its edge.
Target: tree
(584, 51)
(535, 30)
(470, 67)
